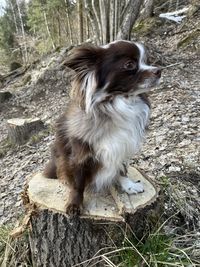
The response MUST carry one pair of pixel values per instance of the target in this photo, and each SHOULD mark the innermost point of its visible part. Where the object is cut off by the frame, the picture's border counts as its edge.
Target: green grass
(162, 244)
(154, 251)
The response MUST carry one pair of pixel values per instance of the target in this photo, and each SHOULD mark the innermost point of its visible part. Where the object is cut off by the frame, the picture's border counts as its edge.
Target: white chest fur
(119, 138)
(115, 131)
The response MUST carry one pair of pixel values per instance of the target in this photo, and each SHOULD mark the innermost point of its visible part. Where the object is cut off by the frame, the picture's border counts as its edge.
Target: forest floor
(171, 153)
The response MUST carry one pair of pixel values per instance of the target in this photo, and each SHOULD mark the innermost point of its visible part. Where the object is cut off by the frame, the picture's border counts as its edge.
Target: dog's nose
(157, 72)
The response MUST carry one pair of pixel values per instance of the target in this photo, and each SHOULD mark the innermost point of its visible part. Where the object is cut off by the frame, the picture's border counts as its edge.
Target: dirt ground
(171, 152)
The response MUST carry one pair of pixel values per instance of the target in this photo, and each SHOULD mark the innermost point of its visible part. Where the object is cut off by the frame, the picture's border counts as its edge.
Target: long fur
(115, 132)
(105, 122)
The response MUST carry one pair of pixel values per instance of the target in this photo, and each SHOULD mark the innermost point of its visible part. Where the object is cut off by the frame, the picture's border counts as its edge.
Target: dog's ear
(84, 58)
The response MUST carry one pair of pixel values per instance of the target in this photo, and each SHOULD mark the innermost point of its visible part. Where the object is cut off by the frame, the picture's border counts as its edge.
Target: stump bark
(19, 130)
(57, 240)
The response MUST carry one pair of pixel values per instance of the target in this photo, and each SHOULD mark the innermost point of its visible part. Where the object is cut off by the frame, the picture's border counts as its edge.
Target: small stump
(4, 96)
(20, 130)
(57, 240)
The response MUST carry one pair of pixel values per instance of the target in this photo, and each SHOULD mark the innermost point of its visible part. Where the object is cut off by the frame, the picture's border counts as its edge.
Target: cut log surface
(19, 130)
(57, 240)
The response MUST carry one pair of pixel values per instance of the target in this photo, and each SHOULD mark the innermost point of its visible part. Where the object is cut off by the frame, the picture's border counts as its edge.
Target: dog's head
(118, 68)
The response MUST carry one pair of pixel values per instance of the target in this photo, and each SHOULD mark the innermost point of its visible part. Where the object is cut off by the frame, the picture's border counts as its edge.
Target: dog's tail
(50, 170)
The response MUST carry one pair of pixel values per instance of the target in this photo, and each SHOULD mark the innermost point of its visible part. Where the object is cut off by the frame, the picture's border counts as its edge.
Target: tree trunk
(108, 9)
(104, 7)
(47, 26)
(129, 16)
(93, 22)
(57, 240)
(14, 16)
(97, 21)
(68, 23)
(148, 9)
(116, 24)
(112, 19)
(19, 130)
(59, 28)
(25, 54)
(80, 18)
(87, 27)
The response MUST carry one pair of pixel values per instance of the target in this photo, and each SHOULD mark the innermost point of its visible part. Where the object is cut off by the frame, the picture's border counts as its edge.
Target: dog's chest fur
(115, 137)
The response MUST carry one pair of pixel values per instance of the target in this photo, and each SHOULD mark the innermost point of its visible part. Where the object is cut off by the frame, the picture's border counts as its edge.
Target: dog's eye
(130, 65)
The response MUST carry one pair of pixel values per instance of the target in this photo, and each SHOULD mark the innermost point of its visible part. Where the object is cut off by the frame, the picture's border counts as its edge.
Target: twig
(105, 254)
(111, 264)
(9, 249)
(172, 65)
(18, 231)
(179, 32)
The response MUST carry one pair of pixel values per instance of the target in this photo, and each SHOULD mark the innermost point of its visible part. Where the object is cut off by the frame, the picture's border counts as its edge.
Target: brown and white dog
(104, 124)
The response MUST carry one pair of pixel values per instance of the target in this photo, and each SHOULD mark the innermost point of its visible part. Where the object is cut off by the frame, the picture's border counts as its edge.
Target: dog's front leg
(75, 200)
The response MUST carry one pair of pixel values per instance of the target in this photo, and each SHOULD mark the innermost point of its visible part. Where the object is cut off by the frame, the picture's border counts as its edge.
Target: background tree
(31, 28)
(80, 16)
(13, 30)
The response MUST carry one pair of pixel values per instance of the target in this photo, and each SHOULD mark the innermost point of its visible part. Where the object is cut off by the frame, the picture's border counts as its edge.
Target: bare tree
(47, 25)
(80, 17)
(113, 19)
(96, 15)
(25, 54)
(148, 9)
(128, 18)
(104, 13)
(14, 16)
(68, 22)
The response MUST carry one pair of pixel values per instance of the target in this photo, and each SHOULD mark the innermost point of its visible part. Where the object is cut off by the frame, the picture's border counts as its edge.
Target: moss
(36, 138)
(189, 39)
(193, 9)
(145, 27)
(26, 79)
(43, 47)
(5, 146)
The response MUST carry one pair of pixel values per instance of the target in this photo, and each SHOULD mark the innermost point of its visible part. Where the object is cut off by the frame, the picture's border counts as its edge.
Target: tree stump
(19, 130)
(57, 240)
(4, 95)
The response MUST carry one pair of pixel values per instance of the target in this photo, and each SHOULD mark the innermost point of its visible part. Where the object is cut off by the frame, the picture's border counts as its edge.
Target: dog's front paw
(131, 187)
(73, 210)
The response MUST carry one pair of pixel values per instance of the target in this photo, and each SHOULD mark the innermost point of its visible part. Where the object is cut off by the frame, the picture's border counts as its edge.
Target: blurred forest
(29, 29)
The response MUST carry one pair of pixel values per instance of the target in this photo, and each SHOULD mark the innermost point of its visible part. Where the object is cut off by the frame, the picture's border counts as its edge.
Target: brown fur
(73, 160)
(73, 163)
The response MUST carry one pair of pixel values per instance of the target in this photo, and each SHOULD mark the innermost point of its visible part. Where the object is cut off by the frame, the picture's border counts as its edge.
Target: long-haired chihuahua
(105, 121)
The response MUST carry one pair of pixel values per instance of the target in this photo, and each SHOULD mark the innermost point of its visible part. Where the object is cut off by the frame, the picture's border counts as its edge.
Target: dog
(105, 121)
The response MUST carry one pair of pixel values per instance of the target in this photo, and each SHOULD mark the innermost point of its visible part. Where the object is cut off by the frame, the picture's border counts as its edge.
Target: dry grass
(169, 243)
(157, 250)
(14, 252)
